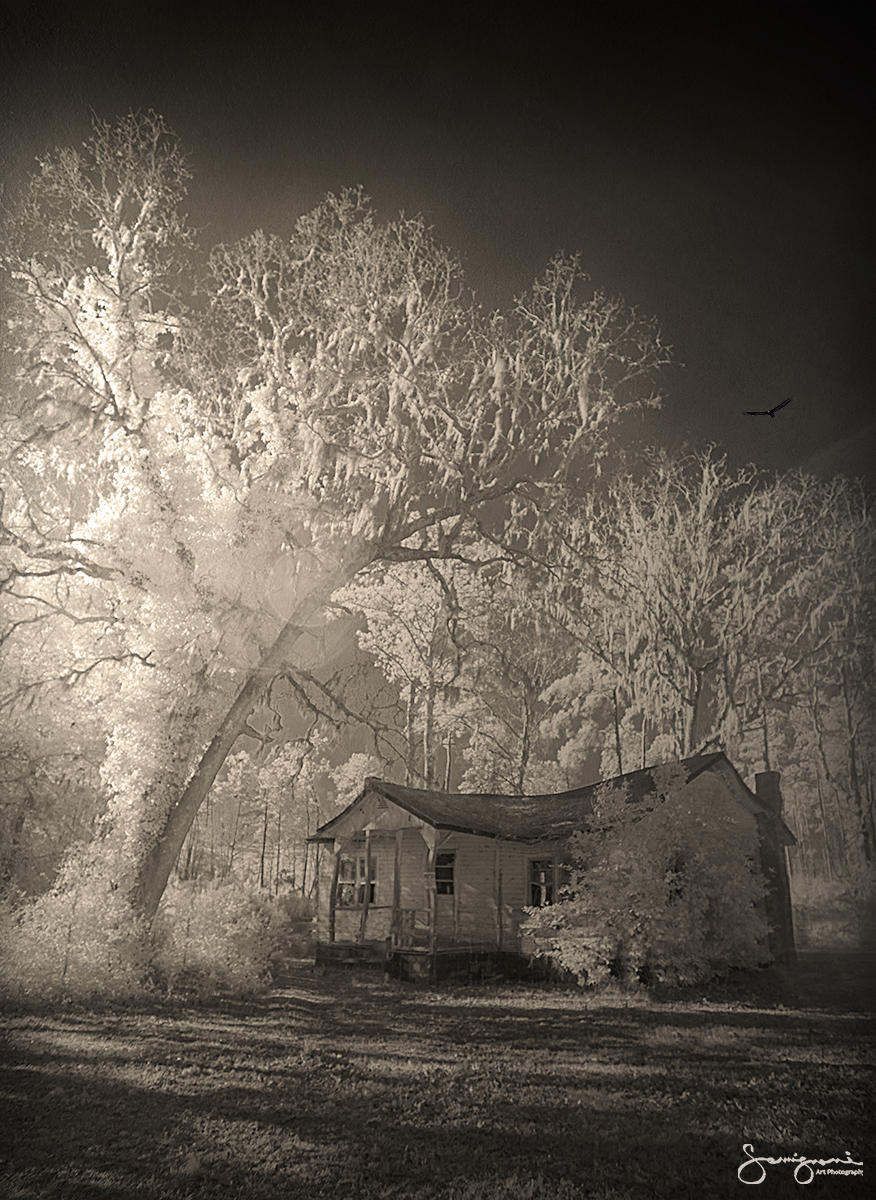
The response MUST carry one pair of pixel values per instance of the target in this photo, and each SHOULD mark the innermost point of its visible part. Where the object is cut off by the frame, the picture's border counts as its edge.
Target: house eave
(442, 827)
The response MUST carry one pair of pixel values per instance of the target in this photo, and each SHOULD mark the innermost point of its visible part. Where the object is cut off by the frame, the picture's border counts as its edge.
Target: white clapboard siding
(413, 870)
(469, 917)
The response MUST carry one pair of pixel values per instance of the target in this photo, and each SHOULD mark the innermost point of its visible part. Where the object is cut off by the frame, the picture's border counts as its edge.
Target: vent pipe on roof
(766, 786)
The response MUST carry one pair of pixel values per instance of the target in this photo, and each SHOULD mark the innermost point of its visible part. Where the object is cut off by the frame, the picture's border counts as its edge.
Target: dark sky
(718, 176)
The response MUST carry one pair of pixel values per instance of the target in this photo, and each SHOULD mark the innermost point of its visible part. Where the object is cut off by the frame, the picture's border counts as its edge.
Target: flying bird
(767, 412)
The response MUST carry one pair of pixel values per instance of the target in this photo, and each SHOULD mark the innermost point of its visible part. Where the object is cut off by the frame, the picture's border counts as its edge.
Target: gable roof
(527, 818)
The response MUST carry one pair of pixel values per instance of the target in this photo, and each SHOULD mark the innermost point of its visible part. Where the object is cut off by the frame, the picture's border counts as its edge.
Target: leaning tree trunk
(154, 870)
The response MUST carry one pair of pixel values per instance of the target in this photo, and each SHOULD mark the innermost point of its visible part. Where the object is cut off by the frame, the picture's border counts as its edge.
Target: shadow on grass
(342, 1085)
(323, 1134)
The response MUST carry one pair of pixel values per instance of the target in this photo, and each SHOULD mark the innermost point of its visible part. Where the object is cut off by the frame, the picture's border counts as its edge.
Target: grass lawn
(342, 1085)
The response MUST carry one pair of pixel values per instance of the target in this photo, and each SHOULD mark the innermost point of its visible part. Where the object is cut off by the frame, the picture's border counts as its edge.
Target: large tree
(189, 479)
(699, 595)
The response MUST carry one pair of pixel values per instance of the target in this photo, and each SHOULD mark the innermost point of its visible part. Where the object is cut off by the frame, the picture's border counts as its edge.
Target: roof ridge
(705, 760)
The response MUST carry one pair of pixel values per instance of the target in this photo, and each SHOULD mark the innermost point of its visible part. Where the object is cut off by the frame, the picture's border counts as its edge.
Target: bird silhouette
(767, 412)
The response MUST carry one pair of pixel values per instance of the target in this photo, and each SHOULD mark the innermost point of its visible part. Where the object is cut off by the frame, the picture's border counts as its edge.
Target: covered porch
(408, 888)
(396, 890)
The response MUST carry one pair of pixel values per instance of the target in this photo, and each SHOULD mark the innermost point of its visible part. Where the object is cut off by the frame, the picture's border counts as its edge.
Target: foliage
(83, 941)
(202, 452)
(410, 631)
(49, 799)
(346, 778)
(660, 890)
(78, 941)
(255, 825)
(728, 609)
(219, 937)
(516, 653)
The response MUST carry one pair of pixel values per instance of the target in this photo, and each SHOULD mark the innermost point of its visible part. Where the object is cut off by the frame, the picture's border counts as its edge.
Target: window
(541, 882)
(352, 881)
(346, 891)
(362, 881)
(444, 866)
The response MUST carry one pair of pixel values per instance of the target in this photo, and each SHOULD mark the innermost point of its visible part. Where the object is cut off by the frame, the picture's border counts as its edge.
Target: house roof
(524, 818)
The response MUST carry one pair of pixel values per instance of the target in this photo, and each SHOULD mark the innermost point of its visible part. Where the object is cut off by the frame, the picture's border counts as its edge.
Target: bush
(670, 895)
(219, 937)
(73, 943)
(83, 942)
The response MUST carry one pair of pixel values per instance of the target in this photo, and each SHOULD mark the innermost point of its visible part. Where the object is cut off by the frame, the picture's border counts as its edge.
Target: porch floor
(450, 961)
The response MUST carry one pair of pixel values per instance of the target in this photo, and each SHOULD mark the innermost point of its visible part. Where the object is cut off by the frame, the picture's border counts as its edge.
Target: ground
(346, 1085)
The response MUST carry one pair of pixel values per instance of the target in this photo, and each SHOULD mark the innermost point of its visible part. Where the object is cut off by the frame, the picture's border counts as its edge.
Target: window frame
(551, 886)
(352, 873)
(445, 886)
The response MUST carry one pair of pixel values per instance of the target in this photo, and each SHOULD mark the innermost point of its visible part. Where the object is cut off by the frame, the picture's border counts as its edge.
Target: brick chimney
(766, 786)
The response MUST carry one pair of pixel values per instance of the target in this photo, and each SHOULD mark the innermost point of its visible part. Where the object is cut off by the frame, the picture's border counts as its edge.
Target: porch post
(497, 881)
(367, 897)
(395, 925)
(430, 837)
(455, 904)
(334, 892)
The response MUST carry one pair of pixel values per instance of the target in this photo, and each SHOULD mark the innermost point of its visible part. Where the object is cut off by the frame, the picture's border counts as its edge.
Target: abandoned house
(426, 881)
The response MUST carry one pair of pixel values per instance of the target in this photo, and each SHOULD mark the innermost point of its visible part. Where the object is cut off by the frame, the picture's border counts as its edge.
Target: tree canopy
(192, 472)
